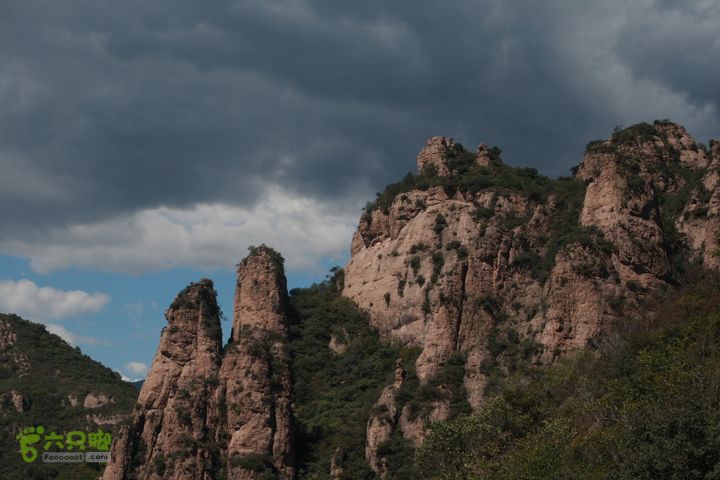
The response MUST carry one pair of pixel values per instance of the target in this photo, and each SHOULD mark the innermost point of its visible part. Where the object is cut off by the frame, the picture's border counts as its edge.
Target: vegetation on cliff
(468, 177)
(334, 393)
(641, 404)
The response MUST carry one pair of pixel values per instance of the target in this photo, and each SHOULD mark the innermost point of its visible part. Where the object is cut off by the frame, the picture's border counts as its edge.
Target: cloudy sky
(144, 144)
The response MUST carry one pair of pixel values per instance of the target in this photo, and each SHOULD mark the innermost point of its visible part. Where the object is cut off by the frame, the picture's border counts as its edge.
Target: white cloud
(73, 338)
(26, 299)
(137, 368)
(206, 236)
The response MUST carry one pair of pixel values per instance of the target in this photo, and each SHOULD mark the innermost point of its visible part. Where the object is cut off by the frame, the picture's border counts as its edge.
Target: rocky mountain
(46, 382)
(490, 320)
(471, 255)
(208, 412)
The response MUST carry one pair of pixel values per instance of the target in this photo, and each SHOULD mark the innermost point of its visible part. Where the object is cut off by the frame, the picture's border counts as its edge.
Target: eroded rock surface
(456, 266)
(253, 398)
(204, 412)
(96, 400)
(168, 434)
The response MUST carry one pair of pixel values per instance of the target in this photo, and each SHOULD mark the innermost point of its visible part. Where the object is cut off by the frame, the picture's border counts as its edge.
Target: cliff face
(472, 251)
(253, 399)
(202, 411)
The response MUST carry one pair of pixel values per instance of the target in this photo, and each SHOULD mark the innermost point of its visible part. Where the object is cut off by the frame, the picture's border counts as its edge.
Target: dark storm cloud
(112, 107)
(677, 44)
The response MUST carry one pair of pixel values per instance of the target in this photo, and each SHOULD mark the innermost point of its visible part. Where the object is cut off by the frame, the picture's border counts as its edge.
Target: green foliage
(334, 394)
(594, 146)
(418, 247)
(469, 443)
(426, 307)
(640, 132)
(336, 278)
(440, 223)
(446, 385)
(453, 245)
(636, 184)
(469, 178)
(415, 264)
(482, 213)
(437, 261)
(401, 287)
(492, 306)
(385, 199)
(261, 464)
(275, 256)
(645, 405)
(617, 302)
(400, 455)
(671, 206)
(565, 228)
(56, 371)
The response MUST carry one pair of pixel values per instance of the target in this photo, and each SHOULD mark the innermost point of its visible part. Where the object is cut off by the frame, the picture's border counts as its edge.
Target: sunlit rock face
(447, 264)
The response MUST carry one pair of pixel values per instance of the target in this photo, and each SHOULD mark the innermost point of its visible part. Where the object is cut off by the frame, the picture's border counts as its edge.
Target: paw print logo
(28, 437)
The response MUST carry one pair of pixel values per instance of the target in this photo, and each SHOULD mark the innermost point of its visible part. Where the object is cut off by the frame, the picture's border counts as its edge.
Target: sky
(146, 144)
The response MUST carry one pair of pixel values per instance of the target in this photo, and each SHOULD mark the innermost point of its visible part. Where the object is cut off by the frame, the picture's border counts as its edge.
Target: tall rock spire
(167, 437)
(261, 297)
(254, 394)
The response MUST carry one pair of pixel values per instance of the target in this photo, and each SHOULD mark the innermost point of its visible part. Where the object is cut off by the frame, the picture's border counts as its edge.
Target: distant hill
(44, 381)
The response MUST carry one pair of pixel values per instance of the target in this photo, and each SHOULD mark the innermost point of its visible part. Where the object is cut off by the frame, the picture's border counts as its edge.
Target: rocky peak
(443, 157)
(167, 437)
(252, 403)
(653, 151)
(486, 156)
(638, 182)
(193, 318)
(261, 293)
(434, 155)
